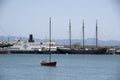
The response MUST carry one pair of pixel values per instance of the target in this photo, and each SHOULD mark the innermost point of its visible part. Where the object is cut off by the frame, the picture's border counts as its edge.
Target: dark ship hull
(82, 51)
(52, 64)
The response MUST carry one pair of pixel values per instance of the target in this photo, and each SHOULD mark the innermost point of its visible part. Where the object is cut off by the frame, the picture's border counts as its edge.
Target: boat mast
(83, 35)
(70, 32)
(50, 39)
(96, 34)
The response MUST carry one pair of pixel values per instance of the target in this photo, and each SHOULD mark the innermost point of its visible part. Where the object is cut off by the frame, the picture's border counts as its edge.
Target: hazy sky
(24, 17)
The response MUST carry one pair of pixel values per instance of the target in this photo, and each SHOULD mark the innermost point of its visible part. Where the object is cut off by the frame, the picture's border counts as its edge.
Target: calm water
(69, 67)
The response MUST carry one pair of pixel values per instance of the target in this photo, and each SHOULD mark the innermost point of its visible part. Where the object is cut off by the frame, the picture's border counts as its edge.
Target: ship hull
(5, 52)
(52, 64)
(82, 51)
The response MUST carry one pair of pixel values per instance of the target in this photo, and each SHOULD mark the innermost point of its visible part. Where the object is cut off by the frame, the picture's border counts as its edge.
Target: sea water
(69, 67)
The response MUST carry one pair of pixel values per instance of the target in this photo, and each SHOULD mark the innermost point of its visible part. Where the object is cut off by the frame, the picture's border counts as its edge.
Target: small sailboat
(50, 63)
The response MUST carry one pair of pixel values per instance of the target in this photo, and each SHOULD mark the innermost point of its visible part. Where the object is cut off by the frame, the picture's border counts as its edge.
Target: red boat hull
(43, 63)
(5, 52)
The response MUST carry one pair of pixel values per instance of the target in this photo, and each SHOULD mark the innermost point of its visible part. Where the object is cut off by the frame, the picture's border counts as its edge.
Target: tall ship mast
(83, 35)
(50, 39)
(96, 34)
(70, 33)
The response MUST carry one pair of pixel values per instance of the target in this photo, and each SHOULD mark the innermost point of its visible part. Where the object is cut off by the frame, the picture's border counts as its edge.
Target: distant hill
(89, 41)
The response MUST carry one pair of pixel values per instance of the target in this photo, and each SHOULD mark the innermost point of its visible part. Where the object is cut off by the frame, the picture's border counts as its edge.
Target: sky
(24, 17)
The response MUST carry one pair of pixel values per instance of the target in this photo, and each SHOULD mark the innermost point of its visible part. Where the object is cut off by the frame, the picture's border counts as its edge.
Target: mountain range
(89, 41)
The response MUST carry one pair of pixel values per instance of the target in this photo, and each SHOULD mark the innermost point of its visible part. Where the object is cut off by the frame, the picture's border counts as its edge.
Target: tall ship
(83, 50)
(32, 47)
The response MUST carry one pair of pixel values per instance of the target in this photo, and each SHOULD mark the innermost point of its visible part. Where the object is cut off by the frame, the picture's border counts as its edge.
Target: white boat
(31, 46)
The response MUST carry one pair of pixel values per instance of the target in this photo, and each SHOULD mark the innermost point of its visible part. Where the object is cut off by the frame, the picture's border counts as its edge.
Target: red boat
(4, 48)
(44, 63)
(52, 64)
(4, 51)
